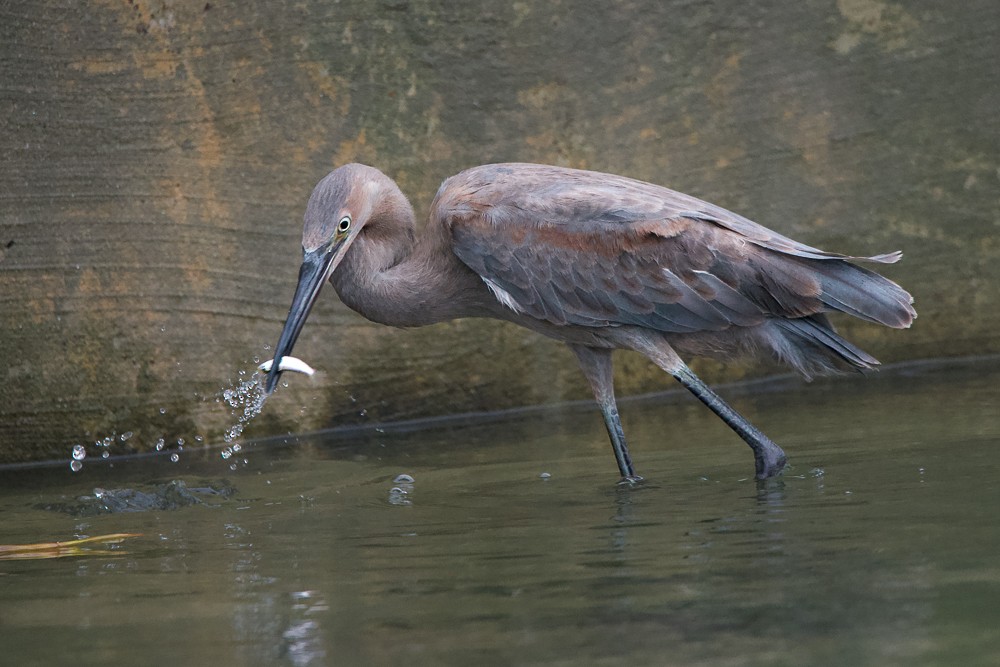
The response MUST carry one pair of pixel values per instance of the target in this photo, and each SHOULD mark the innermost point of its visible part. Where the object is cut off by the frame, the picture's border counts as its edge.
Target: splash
(79, 452)
(400, 494)
(245, 400)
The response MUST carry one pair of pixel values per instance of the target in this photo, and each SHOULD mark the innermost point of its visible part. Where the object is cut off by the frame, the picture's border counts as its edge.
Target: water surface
(878, 547)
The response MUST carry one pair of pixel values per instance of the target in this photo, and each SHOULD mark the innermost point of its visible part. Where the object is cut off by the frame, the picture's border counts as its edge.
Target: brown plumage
(600, 262)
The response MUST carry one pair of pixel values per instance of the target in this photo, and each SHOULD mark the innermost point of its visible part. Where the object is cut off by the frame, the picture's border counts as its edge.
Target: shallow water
(878, 547)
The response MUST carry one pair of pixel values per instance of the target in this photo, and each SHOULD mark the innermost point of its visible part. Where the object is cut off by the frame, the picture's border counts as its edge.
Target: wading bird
(597, 261)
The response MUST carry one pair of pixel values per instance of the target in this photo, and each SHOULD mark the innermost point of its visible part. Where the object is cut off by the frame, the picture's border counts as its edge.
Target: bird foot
(770, 462)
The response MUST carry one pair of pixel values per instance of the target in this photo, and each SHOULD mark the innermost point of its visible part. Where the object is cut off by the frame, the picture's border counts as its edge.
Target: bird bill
(288, 364)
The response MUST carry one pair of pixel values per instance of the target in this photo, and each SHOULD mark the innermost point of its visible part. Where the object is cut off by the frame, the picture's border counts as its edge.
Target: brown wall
(156, 159)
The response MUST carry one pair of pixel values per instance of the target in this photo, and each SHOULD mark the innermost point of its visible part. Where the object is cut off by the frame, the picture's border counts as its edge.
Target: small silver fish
(288, 364)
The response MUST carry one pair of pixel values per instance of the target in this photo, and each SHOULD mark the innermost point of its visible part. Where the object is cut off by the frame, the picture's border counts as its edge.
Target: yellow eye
(344, 224)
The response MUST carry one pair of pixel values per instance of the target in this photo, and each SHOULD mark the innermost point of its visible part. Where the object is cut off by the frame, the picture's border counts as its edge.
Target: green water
(878, 547)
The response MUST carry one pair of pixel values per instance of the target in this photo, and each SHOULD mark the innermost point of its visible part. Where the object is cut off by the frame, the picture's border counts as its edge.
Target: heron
(599, 262)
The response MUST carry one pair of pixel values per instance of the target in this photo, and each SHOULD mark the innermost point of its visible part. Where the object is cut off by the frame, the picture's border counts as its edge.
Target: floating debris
(63, 549)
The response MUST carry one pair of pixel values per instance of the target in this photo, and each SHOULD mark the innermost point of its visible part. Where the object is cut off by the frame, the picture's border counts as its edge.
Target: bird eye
(344, 224)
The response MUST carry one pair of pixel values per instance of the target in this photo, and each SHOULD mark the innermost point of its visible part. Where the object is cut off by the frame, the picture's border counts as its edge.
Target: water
(245, 400)
(452, 546)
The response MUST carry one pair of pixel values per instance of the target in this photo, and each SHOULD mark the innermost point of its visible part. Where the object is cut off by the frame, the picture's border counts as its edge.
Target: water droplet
(163, 411)
(125, 436)
(246, 400)
(237, 447)
(105, 454)
(284, 383)
(403, 479)
(75, 466)
(160, 444)
(545, 475)
(266, 347)
(232, 466)
(256, 359)
(226, 453)
(174, 457)
(234, 432)
(79, 453)
(398, 496)
(180, 442)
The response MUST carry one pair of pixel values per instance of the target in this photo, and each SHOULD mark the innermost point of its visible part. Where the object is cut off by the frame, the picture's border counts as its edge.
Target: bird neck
(392, 278)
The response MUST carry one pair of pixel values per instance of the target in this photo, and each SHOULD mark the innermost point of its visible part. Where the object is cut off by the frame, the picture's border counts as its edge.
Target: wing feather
(581, 248)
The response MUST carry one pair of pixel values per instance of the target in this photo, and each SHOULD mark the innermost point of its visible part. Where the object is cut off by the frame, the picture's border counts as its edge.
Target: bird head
(339, 207)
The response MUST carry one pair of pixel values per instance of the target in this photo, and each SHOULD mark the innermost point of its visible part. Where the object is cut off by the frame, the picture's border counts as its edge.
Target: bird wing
(582, 248)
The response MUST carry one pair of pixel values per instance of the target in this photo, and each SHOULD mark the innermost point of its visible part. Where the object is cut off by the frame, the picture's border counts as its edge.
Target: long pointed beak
(312, 275)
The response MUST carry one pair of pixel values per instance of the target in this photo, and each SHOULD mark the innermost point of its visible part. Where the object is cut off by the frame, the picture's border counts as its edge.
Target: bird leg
(769, 459)
(596, 365)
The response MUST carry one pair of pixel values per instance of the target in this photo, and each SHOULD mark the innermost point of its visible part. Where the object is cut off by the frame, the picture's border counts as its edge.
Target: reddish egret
(597, 261)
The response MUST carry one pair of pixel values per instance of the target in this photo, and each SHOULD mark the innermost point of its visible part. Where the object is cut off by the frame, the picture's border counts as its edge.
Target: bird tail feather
(813, 347)
(854, 290)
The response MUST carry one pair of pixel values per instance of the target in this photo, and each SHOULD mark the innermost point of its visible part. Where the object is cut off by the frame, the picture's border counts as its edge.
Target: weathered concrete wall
(156, 159)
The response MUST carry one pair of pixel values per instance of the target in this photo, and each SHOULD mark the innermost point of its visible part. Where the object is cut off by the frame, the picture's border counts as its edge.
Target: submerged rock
(170, 496)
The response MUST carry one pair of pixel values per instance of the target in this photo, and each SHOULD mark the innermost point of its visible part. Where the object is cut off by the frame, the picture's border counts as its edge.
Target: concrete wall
(156, 160)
